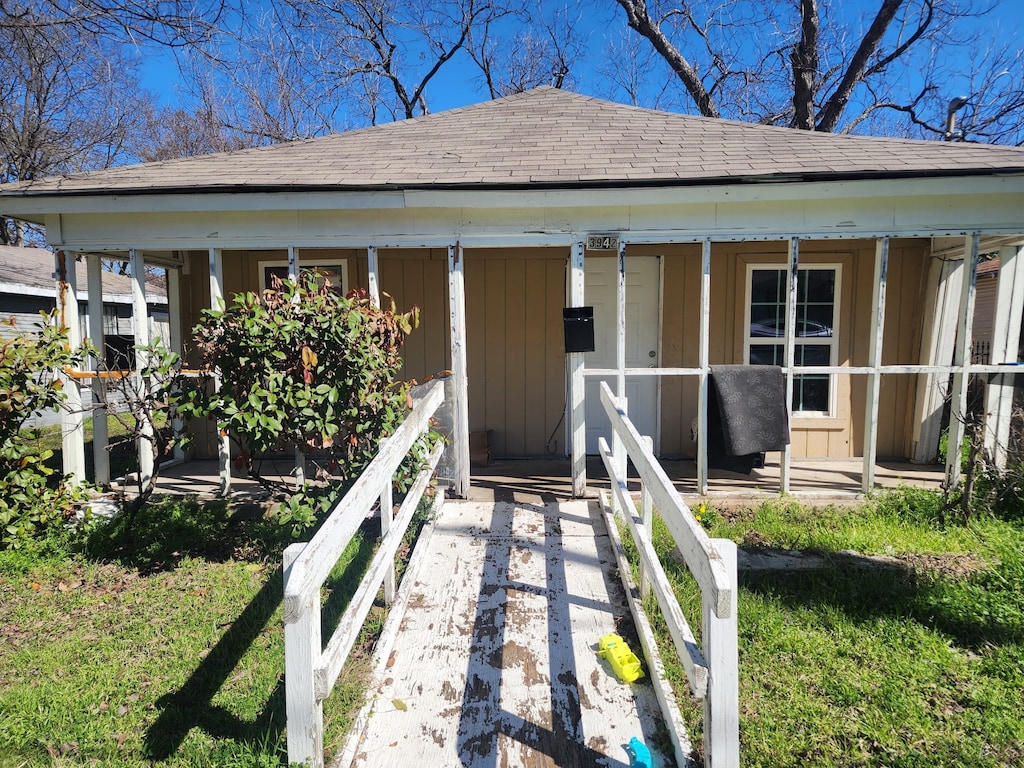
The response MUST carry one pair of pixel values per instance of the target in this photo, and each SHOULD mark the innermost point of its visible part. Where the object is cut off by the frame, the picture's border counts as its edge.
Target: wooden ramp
(494, 661)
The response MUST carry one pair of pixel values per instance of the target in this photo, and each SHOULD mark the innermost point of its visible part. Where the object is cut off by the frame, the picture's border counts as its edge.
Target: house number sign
(602, 242)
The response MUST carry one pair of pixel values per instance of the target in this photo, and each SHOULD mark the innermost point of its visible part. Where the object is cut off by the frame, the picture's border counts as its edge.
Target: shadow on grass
(191, 705)
(983, 608)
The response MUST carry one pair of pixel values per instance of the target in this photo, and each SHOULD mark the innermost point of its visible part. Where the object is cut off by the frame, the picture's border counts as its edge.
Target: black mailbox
(579, 329)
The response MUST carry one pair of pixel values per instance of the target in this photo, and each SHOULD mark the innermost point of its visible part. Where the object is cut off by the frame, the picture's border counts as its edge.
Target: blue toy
(639, 754)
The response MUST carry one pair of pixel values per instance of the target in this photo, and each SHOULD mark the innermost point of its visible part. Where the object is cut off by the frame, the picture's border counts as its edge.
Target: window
(333, 270)
(816, 329)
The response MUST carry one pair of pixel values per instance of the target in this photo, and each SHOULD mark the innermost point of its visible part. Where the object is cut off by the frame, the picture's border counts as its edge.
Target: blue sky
(457, 84)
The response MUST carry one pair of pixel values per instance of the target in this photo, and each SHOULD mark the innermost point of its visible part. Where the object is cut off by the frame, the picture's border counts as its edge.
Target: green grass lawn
(917, 663)
(168, 651)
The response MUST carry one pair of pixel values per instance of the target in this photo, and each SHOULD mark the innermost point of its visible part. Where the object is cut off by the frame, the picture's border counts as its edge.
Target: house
(27, 287)
(849, 261)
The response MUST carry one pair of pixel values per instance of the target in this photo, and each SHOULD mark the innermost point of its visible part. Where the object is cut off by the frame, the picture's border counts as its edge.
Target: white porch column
(964, 332)
(875, 362)
(72, 427)
(217, 302)
(577, 382)
(1009, 310)
(460, 377)
(175, 344)
(140, 325)
(938, 335)
(100, 430)
(790, 354)
(373, 275)
(703, 363)
(294, 270)
(618, 449)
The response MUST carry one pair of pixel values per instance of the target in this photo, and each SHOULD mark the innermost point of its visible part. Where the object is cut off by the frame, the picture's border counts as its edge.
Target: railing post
(646, 517)
(302, 649)
(387, 506)
(722, 703)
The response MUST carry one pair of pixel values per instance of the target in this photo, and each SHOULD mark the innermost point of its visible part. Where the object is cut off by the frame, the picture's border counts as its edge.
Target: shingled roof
(30, 271)
(543, 138)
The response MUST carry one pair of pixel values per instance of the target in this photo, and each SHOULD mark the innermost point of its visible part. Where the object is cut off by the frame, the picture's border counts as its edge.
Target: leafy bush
(33, 497)
(921, 506)
(304, 366)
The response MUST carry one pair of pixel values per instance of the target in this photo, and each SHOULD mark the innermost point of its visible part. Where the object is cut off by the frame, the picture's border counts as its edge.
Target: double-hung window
(816, 341)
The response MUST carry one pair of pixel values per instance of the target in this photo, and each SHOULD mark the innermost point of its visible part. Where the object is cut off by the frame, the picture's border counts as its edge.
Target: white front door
(642, 316)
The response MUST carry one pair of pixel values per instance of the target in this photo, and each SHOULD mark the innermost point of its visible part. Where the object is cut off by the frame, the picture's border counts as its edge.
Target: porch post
(460, 378)
(217, 302)
(140, 326)
(72, 427)
(1009, 310)
(174, 344)
(962, 359)
(790, 353)
(618, 449)
(373, 274)
(100, 430)
(294, 270)
(702, 361)
(875, 362)
(577, 382)
(938, 336)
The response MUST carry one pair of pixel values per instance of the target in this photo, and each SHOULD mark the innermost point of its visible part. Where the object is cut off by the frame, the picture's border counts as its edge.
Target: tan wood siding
(516, 360)
(839, 436)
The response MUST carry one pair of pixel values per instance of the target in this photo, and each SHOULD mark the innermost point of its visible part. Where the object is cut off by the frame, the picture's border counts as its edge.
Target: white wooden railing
(311, 669)
(713, 671)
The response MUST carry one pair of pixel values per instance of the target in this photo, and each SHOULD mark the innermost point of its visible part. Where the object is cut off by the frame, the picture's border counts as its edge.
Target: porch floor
(494, 661)
(823, 481)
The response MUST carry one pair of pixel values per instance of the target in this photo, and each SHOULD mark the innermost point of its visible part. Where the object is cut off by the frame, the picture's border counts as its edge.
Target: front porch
(827, 481)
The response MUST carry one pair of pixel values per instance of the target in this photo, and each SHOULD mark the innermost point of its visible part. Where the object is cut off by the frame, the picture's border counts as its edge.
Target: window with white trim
(335, 271)
(817, 337)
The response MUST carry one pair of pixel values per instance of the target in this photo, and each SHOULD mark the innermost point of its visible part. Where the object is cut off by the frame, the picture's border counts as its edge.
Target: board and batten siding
(842, 434)
(515, 350)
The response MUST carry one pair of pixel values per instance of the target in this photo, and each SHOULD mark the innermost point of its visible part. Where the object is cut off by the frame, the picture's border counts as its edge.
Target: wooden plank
(536, 426)
(958, 407)
(72, 423)
(687, 648)
(789, 344)
(722, 704)
(494, 354)
(876, 339)
(100, 416)
(577, 392)
(330, 662)
(303, 710)
(373, 275)
(217, 303)
(1009, 311)
(326, 546)
(703, 361)
(460, 381)
(693, 542)
(495, 661)
(140, 323)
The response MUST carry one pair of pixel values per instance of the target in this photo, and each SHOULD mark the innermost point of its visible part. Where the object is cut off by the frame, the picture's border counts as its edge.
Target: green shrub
(34, 498)
(921, 506)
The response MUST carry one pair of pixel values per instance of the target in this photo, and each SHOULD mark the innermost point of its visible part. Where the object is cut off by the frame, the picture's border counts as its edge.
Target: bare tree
(817, 65)
(68, 102)
(539, 46)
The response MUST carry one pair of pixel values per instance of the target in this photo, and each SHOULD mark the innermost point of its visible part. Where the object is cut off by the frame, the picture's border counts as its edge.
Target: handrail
(713, 671)
(310, 669)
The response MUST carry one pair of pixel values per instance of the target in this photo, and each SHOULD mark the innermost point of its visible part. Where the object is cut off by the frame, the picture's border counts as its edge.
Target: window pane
(810, 393)
(813, 354)
(766, 354)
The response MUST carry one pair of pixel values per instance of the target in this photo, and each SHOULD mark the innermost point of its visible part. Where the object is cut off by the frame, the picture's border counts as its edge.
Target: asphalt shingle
(543, 137)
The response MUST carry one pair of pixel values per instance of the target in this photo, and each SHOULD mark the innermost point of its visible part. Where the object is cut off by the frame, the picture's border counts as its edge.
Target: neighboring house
(496, 216)
(28, 287)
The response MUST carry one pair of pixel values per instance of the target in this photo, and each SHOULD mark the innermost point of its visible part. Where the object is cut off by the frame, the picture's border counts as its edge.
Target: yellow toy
(624, 662)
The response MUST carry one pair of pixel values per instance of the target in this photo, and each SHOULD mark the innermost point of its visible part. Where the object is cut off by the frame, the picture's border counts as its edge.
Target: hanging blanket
(752, 406)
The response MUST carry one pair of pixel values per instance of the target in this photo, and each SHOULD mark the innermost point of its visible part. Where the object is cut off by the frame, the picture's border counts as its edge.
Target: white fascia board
(717, 193)
(40, 205)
